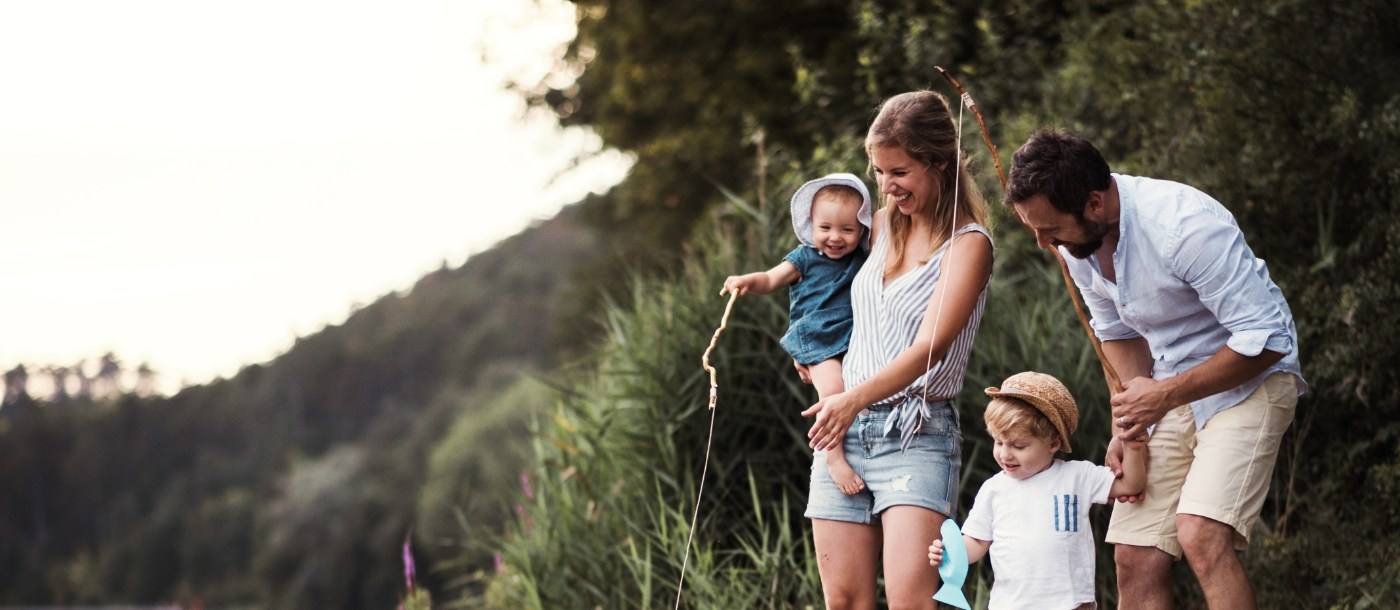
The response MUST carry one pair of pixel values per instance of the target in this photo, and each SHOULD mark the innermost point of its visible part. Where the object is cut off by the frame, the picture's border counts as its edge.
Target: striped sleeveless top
(887, 318)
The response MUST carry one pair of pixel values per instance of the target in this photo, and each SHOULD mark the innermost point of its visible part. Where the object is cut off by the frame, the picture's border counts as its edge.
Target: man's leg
(1225, 490)
(1144, 577)
(1210, 549)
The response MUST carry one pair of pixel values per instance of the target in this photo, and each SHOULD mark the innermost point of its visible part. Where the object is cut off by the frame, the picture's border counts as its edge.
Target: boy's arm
(762, 282)
(976, 550)
(1134, 477)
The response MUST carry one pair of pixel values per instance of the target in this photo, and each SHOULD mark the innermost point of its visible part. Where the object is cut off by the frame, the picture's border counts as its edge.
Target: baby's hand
(735, 284)
(935, 553)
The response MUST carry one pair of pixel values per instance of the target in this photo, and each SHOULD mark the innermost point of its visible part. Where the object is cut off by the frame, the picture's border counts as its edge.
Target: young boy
(1034, 515)
(831, 216)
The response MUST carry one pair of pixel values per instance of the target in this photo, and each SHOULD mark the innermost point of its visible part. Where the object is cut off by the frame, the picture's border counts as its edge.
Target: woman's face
(909, 184)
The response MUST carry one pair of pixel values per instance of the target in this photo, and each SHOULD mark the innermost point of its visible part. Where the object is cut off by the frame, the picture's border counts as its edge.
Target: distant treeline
(104, 377)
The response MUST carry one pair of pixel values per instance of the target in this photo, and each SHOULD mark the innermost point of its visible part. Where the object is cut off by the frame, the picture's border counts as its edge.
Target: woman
(917, 304)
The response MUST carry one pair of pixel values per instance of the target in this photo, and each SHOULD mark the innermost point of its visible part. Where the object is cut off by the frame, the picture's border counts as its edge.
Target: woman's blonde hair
(920, 123)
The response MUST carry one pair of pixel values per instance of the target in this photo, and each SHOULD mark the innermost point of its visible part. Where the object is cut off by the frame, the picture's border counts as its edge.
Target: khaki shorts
(1221, 472)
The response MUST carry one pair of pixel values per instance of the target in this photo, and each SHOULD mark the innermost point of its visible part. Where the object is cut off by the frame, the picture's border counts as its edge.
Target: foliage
(468, 493)
(686, 89)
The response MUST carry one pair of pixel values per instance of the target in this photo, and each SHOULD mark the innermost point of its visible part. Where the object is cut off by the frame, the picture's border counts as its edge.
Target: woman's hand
(834, 416)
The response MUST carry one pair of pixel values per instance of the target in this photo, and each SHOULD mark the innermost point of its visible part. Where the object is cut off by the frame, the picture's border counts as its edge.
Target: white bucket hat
(802, 206)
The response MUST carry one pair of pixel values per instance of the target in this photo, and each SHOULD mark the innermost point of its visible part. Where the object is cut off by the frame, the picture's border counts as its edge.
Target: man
(1206, 345)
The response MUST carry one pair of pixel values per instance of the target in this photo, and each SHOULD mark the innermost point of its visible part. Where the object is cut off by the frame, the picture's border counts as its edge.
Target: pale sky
(195, 184)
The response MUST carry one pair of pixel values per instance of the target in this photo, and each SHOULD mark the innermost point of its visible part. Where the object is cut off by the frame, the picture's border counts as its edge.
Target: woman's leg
(909, 580)
(848, 560)
(826, 377)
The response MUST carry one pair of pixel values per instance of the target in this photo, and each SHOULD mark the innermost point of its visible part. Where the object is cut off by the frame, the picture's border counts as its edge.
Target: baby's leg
(826, 376)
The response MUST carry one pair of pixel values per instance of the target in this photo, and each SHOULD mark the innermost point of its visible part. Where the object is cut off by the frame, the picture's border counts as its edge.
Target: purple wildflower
(409, 574)
(525, 485)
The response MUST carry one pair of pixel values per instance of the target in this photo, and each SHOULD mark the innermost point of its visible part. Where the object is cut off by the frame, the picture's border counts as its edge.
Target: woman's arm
(965, 272)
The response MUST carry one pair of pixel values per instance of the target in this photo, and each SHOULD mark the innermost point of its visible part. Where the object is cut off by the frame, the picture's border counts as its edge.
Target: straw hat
(802, 206)
(1046, 394)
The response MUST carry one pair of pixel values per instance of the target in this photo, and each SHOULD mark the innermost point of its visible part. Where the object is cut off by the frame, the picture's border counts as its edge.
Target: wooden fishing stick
(1110, 375)
(714, 396)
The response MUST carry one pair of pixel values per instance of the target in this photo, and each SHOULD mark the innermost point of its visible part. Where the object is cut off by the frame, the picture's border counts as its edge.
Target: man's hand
(1143, 402)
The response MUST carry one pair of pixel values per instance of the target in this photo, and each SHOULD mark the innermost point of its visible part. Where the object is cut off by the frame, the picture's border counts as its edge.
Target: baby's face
(835, 228)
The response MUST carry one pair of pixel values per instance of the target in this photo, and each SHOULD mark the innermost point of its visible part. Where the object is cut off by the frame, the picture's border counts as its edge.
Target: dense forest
(535, 421)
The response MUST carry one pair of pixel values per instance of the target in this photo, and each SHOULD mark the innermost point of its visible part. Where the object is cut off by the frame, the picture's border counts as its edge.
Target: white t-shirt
(1042, 544)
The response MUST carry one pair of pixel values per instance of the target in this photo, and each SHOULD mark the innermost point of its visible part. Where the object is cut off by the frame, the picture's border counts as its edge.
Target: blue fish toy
(953, 569)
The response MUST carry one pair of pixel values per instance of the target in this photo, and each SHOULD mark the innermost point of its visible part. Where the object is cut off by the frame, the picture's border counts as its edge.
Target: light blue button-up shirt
(1188, 284)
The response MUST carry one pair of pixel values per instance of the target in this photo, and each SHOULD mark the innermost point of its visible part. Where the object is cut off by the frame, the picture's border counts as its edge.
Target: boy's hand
(935, 553)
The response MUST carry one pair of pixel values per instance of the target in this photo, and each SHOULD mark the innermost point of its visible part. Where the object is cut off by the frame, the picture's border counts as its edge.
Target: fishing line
(948, 263)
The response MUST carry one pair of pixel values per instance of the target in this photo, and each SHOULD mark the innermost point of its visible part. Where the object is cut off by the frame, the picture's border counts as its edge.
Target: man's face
(1079, 236)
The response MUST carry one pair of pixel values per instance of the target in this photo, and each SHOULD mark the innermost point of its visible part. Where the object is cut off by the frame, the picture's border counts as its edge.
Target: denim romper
(819, 310)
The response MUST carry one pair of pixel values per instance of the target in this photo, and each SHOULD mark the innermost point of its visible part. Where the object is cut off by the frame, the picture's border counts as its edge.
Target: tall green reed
(619, 459)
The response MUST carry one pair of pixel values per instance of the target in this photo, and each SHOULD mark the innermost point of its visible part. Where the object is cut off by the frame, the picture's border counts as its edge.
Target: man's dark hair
(1060, 165)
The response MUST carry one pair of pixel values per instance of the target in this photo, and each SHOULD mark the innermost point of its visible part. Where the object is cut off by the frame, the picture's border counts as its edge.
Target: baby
(1034, 514)
(831, 216)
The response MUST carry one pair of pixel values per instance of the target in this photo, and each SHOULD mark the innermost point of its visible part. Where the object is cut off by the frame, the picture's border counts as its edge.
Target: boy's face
(1024, 456)
(835, 228)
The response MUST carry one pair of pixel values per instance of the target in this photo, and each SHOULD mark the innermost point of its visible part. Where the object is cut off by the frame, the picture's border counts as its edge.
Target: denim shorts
(926, 474)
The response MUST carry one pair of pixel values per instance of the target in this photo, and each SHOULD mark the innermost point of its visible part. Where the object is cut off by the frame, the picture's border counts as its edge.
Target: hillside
(293, 483)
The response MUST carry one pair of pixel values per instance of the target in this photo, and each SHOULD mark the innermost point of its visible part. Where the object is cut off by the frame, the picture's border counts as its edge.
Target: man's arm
(1130, 358)
(1145, 401)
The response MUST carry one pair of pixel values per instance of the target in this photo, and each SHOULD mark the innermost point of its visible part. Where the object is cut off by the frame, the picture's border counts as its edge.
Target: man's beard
(1095, 232)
